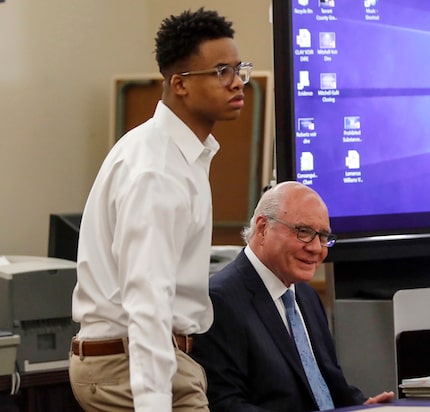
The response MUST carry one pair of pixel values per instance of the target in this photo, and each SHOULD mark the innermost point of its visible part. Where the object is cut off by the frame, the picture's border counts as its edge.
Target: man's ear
(178, 85)
(261, 225)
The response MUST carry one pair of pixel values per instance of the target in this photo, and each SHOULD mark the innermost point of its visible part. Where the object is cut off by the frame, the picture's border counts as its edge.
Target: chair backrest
(411, 308)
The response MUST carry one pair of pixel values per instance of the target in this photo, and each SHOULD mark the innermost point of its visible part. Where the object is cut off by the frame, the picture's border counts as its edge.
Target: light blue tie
(315, 379)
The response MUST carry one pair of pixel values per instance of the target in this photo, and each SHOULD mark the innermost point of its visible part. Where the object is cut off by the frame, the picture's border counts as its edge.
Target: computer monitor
(352, 95)
(64, 235)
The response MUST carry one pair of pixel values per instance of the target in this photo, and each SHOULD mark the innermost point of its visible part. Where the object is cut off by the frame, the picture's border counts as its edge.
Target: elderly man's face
(290, 259)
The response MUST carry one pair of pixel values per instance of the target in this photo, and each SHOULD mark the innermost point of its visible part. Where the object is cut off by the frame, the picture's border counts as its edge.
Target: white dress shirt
(144, 250)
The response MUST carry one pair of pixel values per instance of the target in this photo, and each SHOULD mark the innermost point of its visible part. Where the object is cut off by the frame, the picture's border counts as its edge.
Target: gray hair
(268, 205)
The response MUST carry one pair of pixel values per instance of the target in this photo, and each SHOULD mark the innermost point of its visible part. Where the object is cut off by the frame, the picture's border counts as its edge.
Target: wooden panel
(47, 391)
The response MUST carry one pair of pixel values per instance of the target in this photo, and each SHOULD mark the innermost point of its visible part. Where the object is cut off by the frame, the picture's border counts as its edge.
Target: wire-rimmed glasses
(226, 73)
(307, 234)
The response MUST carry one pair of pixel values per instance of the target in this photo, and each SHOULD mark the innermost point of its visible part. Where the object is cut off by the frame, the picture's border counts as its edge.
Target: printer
(35, 303)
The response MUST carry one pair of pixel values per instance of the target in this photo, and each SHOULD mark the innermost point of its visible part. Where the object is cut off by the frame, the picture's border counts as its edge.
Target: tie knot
(288, 299)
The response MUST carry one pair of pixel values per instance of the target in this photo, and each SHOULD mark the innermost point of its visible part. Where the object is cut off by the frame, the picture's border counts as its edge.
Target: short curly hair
(180, 36)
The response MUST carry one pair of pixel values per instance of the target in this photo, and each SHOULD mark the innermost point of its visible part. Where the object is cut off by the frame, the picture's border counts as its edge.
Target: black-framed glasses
(306, 234)
(226, 73)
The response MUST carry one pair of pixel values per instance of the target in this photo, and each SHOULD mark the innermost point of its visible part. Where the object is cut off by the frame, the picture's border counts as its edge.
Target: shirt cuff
(153, 402)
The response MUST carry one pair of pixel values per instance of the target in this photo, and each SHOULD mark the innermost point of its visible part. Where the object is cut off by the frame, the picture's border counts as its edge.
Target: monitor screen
(352, 98)
(64, 235)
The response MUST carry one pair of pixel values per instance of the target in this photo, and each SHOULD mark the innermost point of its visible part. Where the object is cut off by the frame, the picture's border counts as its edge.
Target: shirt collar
(273, 284)
(188, 143)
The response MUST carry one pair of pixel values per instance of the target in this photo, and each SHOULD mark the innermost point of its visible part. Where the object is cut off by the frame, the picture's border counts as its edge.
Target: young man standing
(145, 237)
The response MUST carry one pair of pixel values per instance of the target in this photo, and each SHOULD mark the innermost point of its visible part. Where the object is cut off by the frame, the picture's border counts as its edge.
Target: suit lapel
(269, 315)
(313, 327)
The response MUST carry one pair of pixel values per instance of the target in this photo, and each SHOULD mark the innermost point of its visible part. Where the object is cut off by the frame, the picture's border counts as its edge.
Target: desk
(47, 391)
(401, 405)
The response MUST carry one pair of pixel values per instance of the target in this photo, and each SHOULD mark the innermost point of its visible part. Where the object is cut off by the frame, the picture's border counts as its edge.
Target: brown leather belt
(184, 342)
(116, 346)
(98, 347)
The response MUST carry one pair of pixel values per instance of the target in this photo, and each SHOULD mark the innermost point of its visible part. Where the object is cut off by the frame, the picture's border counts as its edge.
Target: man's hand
(383, 397)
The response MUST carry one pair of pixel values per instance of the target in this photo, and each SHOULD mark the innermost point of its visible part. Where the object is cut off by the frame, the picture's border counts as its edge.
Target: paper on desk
(416, 382)
(4, 261)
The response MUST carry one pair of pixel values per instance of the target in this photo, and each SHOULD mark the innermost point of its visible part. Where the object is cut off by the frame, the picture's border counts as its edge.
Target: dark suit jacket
(250, 359)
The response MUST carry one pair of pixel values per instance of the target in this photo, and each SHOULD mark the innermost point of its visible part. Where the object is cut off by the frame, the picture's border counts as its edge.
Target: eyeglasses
(226, 73)
(306, 234)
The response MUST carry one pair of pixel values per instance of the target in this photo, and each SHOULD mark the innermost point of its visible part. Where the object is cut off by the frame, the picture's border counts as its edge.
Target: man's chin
(233, 115)
(306, 276)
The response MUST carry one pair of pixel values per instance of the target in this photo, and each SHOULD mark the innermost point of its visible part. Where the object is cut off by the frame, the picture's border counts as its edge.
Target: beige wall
(57, 61)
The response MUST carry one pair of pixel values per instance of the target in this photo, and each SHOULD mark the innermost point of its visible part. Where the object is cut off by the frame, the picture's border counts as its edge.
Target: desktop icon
(303, 2)
(303, 80)
(351, 123)
(370, 3)
(327, 40)
(306, 162)
(352, 161)
(326, 3)
(328, 81)
(303, 39)
(306, 124)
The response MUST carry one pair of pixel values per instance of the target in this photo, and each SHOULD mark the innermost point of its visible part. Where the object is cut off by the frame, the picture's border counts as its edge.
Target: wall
(57, 61)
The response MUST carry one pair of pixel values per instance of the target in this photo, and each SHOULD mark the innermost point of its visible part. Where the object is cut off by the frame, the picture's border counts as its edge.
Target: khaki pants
(102, 383)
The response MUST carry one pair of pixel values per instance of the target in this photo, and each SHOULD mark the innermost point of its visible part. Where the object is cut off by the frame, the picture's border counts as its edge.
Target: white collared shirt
(144, 250)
